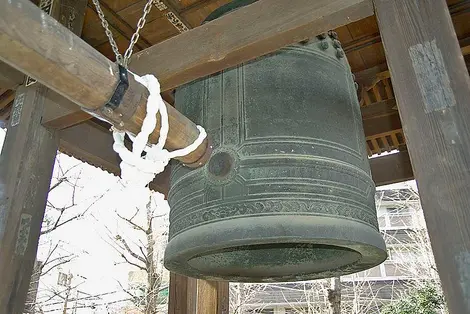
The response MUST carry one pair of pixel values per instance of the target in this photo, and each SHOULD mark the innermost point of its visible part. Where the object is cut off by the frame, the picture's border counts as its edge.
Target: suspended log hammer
(39, 46)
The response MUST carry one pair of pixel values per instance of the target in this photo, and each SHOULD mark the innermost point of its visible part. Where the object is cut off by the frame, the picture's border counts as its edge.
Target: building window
(394, 217)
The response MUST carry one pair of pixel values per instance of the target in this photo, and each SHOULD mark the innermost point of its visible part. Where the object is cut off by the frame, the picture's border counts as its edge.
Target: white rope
(138, 170)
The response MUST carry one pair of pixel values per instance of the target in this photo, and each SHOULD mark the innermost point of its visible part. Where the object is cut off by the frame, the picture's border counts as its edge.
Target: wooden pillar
(26, 165)
(191, 296)
(212, 297)
(432, 88)
(182, 295)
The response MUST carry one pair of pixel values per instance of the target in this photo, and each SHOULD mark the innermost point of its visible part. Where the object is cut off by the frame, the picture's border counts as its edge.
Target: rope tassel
(138, 170)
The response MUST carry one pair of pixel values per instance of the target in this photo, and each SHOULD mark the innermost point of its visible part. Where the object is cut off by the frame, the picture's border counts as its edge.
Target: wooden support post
(26, 165)
(432, 87)
(191, 296)
(182, 295)
(212, 297)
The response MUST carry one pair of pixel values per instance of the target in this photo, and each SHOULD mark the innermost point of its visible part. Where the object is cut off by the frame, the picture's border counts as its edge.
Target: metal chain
(108, 32)
(135, 37)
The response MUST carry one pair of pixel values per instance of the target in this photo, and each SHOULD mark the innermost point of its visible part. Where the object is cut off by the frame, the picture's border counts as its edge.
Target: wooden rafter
(120, 25)
(6, 99)
(173, 15)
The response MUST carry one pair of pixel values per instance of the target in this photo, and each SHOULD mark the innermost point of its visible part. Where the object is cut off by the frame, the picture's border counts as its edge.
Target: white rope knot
(138, 170)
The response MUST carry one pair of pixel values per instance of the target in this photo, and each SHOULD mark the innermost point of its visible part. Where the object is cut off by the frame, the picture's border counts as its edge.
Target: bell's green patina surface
(287, 194)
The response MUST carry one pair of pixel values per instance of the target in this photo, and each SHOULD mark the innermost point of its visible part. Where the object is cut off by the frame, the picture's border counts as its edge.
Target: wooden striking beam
(26, 165)
(249, 32)
(432, 87)
(39, 46)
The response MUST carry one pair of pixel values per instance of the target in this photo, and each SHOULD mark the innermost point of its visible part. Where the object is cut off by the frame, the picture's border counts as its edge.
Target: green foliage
(425, 300)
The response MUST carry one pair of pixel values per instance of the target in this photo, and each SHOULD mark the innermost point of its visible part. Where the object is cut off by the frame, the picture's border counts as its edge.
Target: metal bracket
(121, 88)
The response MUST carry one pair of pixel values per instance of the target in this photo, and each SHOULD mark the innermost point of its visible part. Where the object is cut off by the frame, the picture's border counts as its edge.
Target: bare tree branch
(145, 255)
(129, 250)
(64, 261)
(133, 264)
(136, 226)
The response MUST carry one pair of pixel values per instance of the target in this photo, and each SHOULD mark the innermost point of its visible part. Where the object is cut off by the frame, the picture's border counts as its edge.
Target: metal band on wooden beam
(39, 46)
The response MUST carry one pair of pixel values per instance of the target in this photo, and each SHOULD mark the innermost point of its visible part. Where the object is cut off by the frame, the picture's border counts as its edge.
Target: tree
(425, 300)
(141, 245)
(242, 296)
(62, 208)
(334, 295)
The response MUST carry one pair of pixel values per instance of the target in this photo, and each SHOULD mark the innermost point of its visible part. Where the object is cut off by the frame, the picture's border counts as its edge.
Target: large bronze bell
(287, 194)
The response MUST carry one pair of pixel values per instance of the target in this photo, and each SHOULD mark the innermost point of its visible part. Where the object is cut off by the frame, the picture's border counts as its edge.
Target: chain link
(135, 37)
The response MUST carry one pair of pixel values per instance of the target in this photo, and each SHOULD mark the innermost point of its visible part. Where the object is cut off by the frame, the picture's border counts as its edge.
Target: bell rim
(337, 232)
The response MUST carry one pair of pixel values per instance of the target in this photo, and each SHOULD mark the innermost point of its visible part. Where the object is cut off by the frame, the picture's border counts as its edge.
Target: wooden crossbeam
(268, 25)
(10, 78)
(391, 168)
(249, 32)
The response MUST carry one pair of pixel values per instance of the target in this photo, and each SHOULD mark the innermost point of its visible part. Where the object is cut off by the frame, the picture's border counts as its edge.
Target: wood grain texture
(249, 32)
(223, 295)
(182, 295)
(10, 78)
(41, 47)
(63, 62)
(380, 118)
(207, 297)
(26, 165)
(6, 98)
(432, 87)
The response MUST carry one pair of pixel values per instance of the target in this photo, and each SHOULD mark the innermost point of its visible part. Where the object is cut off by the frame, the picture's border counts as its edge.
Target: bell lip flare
(337, 233)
